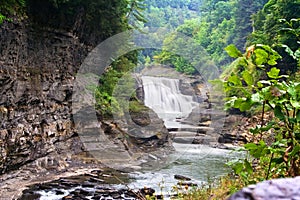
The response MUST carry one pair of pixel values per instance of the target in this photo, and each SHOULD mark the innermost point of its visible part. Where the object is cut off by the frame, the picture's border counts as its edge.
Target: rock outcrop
(37, 70)
(288, 188)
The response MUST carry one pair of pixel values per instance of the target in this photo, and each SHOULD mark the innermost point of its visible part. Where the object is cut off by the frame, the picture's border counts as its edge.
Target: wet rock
(96, 180)
(33, 196)
(288, 188)
(147, 191)
(78, 187)
(67, 197)
(231, 138)
(80, 192)
(180, 177)
(59, 192)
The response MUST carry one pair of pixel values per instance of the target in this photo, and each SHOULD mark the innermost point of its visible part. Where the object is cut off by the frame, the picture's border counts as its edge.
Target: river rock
(285, 188)
(183, 178)
(231, 138)
(147, 191)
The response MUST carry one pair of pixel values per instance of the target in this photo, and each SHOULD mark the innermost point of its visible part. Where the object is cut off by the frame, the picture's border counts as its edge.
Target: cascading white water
(165, 98)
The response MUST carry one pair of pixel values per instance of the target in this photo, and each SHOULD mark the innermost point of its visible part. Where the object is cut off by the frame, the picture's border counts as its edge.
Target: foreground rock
(93, 184)
(287, 189)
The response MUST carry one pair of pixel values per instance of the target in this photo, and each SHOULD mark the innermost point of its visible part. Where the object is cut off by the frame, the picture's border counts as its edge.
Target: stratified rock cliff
(38, 65)
(37, 68)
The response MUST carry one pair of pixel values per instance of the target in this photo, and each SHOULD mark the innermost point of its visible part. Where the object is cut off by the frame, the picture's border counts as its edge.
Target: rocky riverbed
(82, 178)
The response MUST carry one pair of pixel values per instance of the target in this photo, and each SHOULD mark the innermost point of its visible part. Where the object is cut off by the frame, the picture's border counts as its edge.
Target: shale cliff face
(38, 67)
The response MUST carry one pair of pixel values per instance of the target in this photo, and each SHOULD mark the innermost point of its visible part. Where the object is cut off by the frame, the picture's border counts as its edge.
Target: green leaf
(267, 127)
(238, 168)
(278, 160)
(250, 146)
(272, 62)
(295, 104)
(246, 105)
(278, 113)
(255, 130)
(295, 151)
(297, 88)
(292, 120)
(233, 51)
(259, 84)
(298, 116)
(237, 102)
(261, 56)
(273, 73)
(247, 76)
(259, 150)
(292, 91)
(248, 166)
(235, 80)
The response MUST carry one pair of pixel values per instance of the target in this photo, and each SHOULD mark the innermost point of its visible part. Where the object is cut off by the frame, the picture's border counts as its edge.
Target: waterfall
(165, 98)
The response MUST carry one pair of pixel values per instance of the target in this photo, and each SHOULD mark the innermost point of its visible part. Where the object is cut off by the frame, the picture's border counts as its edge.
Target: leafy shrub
(276, 93)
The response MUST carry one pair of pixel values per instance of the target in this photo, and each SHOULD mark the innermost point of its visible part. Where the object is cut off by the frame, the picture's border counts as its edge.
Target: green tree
(244, 20)
(9, 8)
(270, 29)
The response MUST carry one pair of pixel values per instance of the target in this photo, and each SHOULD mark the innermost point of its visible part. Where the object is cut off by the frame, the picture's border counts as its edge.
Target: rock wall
(37, 68)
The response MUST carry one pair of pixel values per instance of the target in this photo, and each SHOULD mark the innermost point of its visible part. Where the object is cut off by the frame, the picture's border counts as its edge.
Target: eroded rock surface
(285, 189)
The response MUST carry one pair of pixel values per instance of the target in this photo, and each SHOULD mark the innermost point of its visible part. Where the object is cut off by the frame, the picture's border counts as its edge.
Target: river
(201, 163)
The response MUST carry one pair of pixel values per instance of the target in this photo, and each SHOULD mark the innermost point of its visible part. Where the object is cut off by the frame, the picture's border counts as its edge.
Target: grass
(219, 190)
(137, 107)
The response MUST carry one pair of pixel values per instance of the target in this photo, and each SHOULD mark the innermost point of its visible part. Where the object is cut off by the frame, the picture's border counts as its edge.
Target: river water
(201, 163)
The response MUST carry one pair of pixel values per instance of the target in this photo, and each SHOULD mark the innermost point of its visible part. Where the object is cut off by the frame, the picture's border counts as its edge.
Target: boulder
(285, 188)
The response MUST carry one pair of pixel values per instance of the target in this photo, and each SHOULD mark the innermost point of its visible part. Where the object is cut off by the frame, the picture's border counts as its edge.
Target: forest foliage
(215, 25)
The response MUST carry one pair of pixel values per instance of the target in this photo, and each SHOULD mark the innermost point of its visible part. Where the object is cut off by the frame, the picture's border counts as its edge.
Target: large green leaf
(278, 113)
(256, 150)
(245, 106)
(261, 56)
(250, 146)
(235, 80)
(238, 101)
(247, 76)
(248, 166)
(273, 73)
(233, 51)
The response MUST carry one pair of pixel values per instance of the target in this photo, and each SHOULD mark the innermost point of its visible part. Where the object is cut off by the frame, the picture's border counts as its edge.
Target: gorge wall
(38, 65)
(37, 69)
